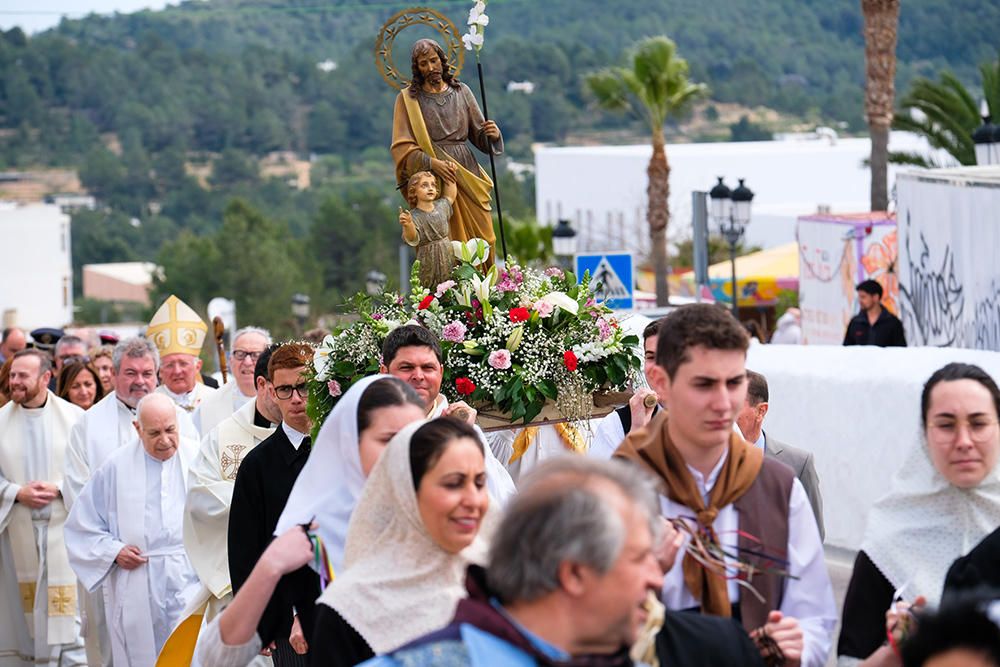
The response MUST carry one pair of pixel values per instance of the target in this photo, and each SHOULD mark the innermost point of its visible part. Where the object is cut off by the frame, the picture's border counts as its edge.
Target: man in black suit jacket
(262, 487)
(750, 421)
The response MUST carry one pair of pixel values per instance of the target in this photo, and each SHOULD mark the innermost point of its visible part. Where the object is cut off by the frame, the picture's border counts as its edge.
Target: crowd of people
(149, 519)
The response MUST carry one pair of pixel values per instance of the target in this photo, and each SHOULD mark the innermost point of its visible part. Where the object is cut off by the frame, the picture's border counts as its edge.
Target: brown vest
(763, 513)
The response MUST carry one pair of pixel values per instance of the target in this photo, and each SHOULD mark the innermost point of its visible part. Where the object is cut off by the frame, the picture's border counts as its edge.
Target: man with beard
(874, 325)
(433, 119)
(99, 433)
(37, 586)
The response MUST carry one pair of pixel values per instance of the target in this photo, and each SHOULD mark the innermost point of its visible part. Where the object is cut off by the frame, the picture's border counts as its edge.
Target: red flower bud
(465, 386)
(519, 315)
(570, 360)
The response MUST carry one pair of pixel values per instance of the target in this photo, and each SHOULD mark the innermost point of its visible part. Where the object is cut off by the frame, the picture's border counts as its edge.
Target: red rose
(519, 315)
(465, 386)
(570, 360)
(426, 303)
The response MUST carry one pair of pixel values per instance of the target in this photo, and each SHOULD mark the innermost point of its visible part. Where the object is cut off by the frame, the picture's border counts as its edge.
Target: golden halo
(405, 19)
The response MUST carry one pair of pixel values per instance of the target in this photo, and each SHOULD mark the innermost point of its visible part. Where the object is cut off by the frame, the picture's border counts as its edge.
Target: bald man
(139, 552)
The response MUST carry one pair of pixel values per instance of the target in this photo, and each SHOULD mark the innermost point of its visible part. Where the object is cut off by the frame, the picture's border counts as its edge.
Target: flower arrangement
(512, 339)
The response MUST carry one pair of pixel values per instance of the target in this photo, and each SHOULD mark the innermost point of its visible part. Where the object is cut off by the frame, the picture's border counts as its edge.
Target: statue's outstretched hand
(404, 216)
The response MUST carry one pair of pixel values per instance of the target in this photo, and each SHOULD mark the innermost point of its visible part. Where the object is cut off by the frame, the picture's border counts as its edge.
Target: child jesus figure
(425, 226)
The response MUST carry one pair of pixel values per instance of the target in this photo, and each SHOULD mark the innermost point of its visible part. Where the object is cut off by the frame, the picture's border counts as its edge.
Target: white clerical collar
(294, 436)
(182, 399)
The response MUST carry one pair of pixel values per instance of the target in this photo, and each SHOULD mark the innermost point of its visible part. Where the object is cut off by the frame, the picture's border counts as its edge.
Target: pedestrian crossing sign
(613, 275)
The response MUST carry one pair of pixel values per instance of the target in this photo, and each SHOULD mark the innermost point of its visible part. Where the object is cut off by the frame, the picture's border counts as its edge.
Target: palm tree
(946, 113)
(653, 86)
(881, 23)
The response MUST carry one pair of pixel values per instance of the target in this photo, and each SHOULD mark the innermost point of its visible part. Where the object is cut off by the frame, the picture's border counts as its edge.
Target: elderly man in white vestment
(124, 532)
(248, 344)
(179, 333)
(102, 430)
(210, 487)
(37, 587)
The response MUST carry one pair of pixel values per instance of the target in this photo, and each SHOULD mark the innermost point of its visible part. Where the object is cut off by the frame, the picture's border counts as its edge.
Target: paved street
(839, 561)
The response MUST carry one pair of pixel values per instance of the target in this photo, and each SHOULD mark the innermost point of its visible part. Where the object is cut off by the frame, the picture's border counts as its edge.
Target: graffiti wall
(949, 273)
(836, 252)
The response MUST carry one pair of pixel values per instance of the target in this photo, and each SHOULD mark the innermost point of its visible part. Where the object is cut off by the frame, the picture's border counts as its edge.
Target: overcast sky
(36, 15)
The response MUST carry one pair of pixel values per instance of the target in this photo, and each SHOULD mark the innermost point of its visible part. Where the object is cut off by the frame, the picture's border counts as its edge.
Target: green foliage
(745, 130)
(654, 86)
(947, 113)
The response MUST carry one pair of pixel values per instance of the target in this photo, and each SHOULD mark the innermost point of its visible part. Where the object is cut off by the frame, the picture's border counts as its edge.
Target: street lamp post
(987, 139)
(731, 211)
(300, 310)
(564, 242)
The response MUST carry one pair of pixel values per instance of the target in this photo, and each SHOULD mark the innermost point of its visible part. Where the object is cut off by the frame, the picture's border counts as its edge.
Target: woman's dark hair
(951, 373)
(68, 376)
(431, 440)
(964, 625)
(384, 393)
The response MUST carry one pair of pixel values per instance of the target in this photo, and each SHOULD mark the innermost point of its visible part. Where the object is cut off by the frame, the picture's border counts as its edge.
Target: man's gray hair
(134, 348)
(67, 341)
(562, 514)
(252, 330)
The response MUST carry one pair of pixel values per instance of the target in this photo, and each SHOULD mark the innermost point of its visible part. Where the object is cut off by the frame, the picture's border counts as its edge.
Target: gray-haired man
(572, 566)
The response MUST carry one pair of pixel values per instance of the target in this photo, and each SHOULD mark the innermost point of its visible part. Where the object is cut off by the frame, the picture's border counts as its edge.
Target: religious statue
(426, 226)
(433, 119)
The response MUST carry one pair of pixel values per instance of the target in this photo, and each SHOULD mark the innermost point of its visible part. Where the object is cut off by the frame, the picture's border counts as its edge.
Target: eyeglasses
(284, 392)
(980, 429)
(240, 355)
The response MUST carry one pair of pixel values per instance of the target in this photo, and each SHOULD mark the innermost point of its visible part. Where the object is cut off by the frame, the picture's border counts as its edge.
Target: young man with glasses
(263, 483)
(248, 344)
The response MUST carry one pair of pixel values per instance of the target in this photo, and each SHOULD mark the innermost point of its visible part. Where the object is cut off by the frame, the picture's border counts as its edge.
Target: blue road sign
(615, 271)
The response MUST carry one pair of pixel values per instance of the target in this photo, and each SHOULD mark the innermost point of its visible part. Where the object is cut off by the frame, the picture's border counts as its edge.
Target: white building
(601, 190)
(36, 272)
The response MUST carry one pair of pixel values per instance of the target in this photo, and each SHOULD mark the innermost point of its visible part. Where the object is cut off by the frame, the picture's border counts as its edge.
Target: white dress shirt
(808, 598)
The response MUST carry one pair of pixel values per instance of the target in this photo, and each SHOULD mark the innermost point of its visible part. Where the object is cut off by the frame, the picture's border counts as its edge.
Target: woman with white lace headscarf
(944, 500)
(422, 519)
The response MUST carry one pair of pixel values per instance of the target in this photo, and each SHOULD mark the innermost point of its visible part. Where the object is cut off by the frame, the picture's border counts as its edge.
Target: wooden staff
(220, 329)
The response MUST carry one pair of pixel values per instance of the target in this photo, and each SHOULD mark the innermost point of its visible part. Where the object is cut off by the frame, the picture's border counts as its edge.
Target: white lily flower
(483, 20)
(465, 296)
(481, 287)
(473, 251)
(562, 300)
(472, 40)
(321, 358)
(479, 7)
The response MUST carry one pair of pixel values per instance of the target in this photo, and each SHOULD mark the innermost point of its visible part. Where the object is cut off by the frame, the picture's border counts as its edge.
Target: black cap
(46, 338)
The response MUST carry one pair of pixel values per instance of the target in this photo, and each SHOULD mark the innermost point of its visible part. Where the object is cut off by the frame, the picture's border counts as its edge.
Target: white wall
(36, 274)
(857, 409)
(590, 184)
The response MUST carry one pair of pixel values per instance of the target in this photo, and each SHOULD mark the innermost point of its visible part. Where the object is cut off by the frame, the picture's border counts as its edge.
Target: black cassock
(262, 487)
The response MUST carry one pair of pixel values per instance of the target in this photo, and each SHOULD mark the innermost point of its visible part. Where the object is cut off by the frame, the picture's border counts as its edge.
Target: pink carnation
(500, 359)
(543, 308)
(604, 328)
(554, 272)
(453, 332)
(510, 280)
(334, 388)
(444, 287)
